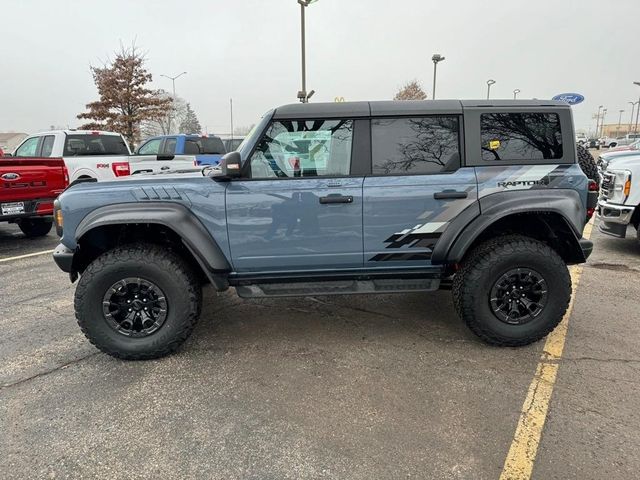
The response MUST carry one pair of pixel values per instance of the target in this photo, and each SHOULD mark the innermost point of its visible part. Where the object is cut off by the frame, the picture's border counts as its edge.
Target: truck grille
(608, 181)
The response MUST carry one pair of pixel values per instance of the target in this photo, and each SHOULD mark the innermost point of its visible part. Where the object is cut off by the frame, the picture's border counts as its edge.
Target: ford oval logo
(10, 176)
(570, 98)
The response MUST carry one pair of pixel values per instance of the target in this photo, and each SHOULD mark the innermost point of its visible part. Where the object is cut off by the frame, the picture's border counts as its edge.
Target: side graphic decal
(422, 236)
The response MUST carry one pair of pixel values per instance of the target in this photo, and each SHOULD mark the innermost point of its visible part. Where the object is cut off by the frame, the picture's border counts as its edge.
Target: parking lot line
(522, 453)
(8, 259)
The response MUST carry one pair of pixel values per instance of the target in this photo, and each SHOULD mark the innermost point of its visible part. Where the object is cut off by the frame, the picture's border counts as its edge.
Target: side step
(338, 287)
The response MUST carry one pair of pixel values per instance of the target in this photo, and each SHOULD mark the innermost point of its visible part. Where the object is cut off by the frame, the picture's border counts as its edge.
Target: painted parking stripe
(9, 259)
(522, 453)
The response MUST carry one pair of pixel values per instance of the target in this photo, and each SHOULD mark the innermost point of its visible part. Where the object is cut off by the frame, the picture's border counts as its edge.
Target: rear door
(301, 205)
(416, 189)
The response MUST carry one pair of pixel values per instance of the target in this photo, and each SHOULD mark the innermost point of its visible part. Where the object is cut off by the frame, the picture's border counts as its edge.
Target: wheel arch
(166, 223)
(556, 217)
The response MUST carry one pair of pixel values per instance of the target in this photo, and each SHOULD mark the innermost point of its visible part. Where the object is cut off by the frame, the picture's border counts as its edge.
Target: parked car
(207, 149)
(341, 198)
(581, 138)
(593, 143)
(92, 154)
(608, 142)
(633, 145)
(231, 144)
(619, 203)
(28, 187)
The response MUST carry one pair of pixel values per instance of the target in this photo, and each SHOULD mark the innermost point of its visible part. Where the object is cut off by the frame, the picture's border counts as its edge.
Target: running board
(337, 287)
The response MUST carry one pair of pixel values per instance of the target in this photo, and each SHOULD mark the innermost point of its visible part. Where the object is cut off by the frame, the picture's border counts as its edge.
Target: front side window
(28, 148)
(520, 136)
(304, 148)
(169, 146)
(152, 147)
(420, 145)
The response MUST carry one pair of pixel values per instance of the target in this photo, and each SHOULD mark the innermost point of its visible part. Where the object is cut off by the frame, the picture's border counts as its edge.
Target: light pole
(489, 83)
(633, 108)
(173, 81)
(619, 122)
(515, 93)
(604, 113)
(303, 96)
(635, 130)
(436, 58)
(598, 122)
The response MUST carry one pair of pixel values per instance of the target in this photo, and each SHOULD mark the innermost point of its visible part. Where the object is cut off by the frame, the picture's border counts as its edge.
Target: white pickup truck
(98, 154)
(619, 202)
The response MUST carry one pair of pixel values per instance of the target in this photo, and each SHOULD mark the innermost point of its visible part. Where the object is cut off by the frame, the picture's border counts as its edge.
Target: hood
(629, 161)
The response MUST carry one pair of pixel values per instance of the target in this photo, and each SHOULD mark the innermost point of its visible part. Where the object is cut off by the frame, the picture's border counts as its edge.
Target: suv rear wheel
(512, 290)
(138, 302)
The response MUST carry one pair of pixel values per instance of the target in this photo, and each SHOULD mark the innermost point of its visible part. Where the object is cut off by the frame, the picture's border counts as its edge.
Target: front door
(300, 208)
(417, 187)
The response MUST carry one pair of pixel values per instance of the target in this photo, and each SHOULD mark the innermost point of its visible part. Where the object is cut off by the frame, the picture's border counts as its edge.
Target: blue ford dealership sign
(570, 98)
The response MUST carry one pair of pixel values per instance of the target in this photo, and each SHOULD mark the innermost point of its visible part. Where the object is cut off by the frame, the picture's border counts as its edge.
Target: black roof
(404, 107)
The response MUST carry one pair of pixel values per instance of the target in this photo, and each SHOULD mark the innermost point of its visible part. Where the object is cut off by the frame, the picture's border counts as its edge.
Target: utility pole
(489, 83)
(633, 108)
(619, 121)
(604, 112)
(436, 58)
(173, 81)
(231, 114)
(635, 130)
(303, 96)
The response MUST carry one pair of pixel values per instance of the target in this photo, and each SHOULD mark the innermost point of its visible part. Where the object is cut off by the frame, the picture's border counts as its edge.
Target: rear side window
(204, 145)
(520, 136)
(410, 146)
(169, 146)
(47, 145)
(79, 145)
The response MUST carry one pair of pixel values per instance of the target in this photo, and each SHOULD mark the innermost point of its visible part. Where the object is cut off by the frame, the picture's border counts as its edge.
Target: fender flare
(467, 227)
(174, 216)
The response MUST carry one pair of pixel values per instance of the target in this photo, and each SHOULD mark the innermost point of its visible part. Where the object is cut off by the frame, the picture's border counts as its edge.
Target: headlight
(621, 187)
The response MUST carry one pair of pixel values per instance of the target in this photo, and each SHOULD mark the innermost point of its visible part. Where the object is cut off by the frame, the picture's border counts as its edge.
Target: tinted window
(28, 148)
(152, 147)
(47, 145)
(169, 146)
(77, 145)
(421, 145)
(304, 149)
(231, 145)
(520, 136)
(204, 145)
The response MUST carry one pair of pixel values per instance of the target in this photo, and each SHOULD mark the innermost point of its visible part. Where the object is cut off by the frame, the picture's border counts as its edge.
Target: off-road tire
(483, 266)
(156, 264)
(587, 163)
(35, 227)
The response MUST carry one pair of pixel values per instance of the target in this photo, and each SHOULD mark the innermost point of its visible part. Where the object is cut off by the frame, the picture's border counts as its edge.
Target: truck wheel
(587, 163)
(512, 290)
(138, 302)
(35, 227)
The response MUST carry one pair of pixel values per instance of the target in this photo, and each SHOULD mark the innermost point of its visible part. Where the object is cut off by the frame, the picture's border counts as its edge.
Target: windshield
(94, 144)
(250, 140)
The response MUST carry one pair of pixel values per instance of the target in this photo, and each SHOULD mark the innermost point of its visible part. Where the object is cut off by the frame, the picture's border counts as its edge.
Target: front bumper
(614, 218)
(63, 258)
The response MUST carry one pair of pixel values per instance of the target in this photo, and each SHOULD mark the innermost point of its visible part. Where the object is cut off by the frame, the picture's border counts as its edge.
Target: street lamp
(436, 58)
(635, 130)
(303, 96)
(173, 81)
(619, 122)
(489, 83)
(633, 108)
(515, 93)
(604, 113)
(598, 121)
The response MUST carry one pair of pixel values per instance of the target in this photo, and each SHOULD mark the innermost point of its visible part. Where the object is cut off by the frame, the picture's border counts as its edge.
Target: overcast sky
(249, 50)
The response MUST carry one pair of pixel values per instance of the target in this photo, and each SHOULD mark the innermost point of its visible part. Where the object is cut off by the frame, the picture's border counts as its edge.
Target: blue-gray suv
(484, 198)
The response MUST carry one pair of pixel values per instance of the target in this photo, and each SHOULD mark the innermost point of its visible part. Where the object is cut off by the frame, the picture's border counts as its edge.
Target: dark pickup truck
(28, 187)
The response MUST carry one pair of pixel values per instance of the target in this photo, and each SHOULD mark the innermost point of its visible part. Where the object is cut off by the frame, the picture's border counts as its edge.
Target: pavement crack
(603, 360)
(47, 372)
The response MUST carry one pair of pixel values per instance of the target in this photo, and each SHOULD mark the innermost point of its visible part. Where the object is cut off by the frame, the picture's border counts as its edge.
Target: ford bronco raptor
(483, 197)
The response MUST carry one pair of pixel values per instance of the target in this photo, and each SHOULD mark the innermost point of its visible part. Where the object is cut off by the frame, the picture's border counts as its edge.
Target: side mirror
(231, 164)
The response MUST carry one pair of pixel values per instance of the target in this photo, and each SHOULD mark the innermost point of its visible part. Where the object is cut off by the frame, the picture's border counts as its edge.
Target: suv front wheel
(512, 290)
(138, 301)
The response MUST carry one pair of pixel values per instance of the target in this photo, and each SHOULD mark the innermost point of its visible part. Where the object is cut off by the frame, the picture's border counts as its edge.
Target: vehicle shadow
(13, 242)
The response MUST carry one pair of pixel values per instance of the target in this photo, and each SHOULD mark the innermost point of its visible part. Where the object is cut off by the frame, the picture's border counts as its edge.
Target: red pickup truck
(28, 187)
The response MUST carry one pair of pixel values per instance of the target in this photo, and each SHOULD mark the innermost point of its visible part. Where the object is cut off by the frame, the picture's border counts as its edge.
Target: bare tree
(125, 101)
(411, 91)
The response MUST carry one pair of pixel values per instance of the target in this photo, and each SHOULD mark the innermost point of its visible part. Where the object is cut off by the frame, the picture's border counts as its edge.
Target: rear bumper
(614, 218)
(63, 258)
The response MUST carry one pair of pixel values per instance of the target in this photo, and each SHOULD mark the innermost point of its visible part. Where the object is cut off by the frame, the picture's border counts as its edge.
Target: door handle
(165, 168)
(449, 194)
(336, 198)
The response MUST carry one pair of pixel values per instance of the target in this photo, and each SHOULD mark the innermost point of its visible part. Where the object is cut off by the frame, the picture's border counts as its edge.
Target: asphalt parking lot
(331, 387)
